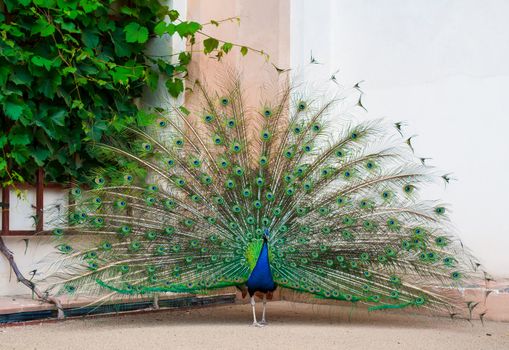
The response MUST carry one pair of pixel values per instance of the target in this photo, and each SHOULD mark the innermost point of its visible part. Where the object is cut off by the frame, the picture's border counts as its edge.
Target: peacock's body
(228, 196)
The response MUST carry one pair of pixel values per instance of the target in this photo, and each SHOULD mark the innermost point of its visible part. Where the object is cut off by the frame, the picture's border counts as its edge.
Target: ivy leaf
(210, 45)
(43, 28)
(19, 137)
(152, 79)
(227, 47)
(171, 29)
(174, 15)
(90, 39)
(97, 130)
(120, 75)
(160, 28)
(3, 141)
(13, 110)
(134, 33)
(129, 11)
(20, 155)
(42, 62)
(4, 73)
(48, 86)
(3, 165)
(243, 50)
(145, 119)
(24, 2)
(184, 58)
(68, 70)
(59, 117)
(40, 155)
(89, 5)
(21, 76)
(122, 49)
(69, 27)
(45, 3)
(175, 86)
(77, 104)
(74, 141)
(186, 29)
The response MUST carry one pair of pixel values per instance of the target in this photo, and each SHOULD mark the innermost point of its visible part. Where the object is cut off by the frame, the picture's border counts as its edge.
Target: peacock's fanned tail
(186, 205)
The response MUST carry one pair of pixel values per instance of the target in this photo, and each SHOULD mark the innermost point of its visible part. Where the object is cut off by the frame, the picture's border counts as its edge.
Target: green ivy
(71, 72)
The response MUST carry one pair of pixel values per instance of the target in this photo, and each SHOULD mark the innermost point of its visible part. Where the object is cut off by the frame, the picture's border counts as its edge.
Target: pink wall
(264, 25)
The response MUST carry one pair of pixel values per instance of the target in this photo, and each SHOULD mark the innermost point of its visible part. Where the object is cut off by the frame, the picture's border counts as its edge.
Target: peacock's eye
(162, 123)
(316, 127)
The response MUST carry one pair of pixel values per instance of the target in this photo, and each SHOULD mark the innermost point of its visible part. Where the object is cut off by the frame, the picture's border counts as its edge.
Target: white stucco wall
(443, 67)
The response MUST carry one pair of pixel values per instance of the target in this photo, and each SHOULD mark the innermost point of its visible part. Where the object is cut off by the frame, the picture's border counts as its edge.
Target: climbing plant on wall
(71, 72)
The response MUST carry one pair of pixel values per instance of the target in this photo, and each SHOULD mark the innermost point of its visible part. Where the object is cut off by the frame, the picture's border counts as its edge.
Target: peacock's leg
(255, 323)
(263, 321)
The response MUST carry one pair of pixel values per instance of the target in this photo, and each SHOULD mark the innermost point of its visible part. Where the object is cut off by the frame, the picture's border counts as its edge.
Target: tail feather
(185, 208)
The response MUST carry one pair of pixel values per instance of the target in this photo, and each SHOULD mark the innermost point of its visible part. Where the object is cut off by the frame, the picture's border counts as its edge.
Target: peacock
(286, 195)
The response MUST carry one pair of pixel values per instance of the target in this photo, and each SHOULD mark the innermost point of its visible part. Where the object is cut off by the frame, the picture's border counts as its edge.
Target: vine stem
(261, 52)
(46, 298)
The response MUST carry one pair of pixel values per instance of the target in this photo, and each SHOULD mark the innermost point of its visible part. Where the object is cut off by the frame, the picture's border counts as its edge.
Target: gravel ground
(291, 326)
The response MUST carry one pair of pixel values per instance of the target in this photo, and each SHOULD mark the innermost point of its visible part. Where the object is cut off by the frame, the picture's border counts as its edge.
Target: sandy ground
(292, 326)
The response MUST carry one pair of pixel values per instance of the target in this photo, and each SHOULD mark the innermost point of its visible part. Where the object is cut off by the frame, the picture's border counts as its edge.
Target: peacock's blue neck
(260, 279)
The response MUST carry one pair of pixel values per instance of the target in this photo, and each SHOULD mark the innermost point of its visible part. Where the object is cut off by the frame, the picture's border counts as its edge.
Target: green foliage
(70, 73)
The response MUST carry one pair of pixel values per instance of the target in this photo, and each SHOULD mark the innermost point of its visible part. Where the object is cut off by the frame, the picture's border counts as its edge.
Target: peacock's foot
(264, 322)
(258, 324)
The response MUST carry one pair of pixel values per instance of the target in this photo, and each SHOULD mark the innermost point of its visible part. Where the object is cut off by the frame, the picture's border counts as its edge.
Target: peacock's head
(266, 234)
